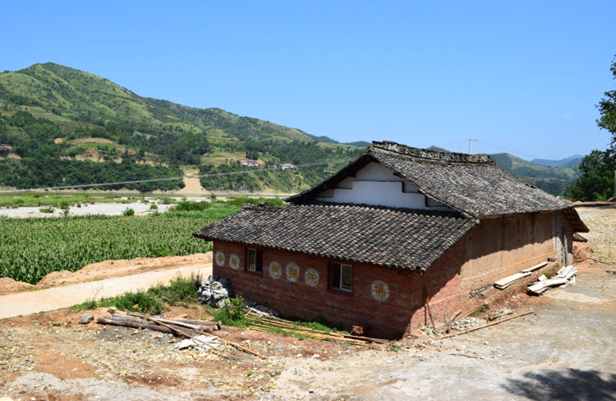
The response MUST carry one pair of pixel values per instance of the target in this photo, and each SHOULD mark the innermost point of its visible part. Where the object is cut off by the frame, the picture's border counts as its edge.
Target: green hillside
(69, 127)
(550, 179)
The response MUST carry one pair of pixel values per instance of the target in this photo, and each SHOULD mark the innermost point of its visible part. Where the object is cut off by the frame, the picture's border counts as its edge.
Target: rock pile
(215, 291)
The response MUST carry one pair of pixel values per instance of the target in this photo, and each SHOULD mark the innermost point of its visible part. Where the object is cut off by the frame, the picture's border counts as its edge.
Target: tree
(607, 108)
(597, 180)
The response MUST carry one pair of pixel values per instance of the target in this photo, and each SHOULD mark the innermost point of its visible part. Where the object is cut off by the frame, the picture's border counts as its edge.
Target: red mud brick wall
(499, 247)
(393, 317)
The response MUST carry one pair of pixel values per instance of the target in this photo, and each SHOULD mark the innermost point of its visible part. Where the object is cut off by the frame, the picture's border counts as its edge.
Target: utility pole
(470, 144)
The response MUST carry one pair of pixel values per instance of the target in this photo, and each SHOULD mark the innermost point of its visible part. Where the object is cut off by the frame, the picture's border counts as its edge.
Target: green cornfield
(32, 248)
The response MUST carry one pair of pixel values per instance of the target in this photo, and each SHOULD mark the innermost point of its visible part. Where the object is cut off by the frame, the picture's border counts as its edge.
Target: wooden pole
(487, 325)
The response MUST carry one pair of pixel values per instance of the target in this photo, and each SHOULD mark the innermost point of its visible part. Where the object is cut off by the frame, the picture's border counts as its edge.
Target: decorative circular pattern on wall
(312, 277)
(292, 272)
(234, 261)
(380, 290)
(219, 258)
(275, 270)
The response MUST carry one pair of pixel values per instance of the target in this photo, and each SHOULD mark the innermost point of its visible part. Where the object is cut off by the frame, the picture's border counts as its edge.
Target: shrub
(188, 206)
(232, 314)
(128, 212)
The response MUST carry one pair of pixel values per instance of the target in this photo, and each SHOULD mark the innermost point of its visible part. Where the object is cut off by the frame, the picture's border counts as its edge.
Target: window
(254, 260)
(340, 277)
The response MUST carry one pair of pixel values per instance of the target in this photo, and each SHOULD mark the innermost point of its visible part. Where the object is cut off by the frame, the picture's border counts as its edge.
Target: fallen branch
(464, 355)
(486, 325)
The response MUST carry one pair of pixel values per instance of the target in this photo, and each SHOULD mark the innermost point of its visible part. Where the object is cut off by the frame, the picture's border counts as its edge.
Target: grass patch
(181, 291)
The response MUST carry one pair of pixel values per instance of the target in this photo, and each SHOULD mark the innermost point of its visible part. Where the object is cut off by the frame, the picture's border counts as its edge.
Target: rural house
(397, 228)
(249, 163)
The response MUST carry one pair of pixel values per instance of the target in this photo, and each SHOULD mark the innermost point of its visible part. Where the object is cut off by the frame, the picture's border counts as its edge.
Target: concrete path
(26, 303)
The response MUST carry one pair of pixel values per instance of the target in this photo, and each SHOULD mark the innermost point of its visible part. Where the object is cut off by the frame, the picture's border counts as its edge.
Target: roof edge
(429, 155)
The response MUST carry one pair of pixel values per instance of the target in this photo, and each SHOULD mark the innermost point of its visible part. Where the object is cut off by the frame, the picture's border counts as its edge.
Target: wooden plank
(535, 267)
(507, 281)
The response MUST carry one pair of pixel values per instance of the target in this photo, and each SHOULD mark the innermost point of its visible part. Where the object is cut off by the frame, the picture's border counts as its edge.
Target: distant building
(249, 163)
(6, 147)
(287, 166)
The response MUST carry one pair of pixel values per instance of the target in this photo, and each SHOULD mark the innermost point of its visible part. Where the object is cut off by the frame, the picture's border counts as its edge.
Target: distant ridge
(552, 179)
(571, 161)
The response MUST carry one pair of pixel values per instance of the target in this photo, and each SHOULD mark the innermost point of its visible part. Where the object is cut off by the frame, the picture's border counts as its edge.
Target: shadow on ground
(571, 384)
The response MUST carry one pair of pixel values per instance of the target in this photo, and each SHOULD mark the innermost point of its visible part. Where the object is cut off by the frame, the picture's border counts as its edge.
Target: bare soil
(563, 351)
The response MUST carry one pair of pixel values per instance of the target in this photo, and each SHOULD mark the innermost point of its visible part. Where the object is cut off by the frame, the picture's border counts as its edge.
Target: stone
(87, 318)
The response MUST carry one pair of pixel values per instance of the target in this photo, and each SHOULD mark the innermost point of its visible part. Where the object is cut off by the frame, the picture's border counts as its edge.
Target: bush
(232, 314)
(48, 209)
(128, 212)
(188, 206)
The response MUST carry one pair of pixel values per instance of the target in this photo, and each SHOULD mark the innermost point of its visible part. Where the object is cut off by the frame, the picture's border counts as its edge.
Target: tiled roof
(471, 184)
(381, 236)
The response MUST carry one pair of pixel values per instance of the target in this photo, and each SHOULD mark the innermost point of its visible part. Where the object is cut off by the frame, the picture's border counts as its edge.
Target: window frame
(255, 265)
(337, 281)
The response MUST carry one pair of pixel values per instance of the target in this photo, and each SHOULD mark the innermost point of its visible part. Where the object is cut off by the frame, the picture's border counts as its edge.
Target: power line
(107, 184)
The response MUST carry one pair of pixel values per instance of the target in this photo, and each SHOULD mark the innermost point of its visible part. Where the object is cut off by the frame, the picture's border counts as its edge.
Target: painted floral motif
(292, 272)
(275, 270)
(312, 277)
(234, 261)
(219, 258)
(380, 290)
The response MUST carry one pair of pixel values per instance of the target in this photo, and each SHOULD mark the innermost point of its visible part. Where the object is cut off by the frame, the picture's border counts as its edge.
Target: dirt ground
(563, 351)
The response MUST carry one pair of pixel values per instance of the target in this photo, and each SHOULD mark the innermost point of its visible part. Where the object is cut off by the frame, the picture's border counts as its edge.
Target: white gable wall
(377, 185)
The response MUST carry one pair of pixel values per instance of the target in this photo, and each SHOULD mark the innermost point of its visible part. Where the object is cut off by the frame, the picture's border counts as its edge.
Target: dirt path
(26, 303)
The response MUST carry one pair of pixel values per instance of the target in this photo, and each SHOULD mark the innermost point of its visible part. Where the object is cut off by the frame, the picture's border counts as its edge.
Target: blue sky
(520, 76)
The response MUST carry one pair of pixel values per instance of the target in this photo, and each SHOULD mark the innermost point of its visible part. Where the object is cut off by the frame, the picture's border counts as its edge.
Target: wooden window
(254, 260)
(340, 277)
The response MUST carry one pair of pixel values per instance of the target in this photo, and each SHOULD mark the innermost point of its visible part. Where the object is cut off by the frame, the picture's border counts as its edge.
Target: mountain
(550, 179)
(553, 180)
(326, 139)
(571, 161)
(88, 129)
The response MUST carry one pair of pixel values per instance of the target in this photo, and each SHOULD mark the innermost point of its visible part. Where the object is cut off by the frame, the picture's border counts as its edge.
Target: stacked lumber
(507, 281)
(564, 276)
(192, 329)
(140, 321)
(265, 323)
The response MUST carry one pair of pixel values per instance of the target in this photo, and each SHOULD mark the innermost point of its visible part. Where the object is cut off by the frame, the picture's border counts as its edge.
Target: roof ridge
(428, 155)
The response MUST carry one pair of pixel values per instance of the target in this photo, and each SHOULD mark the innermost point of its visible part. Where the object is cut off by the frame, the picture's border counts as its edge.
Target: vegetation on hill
(48, 111)
(553, 180)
